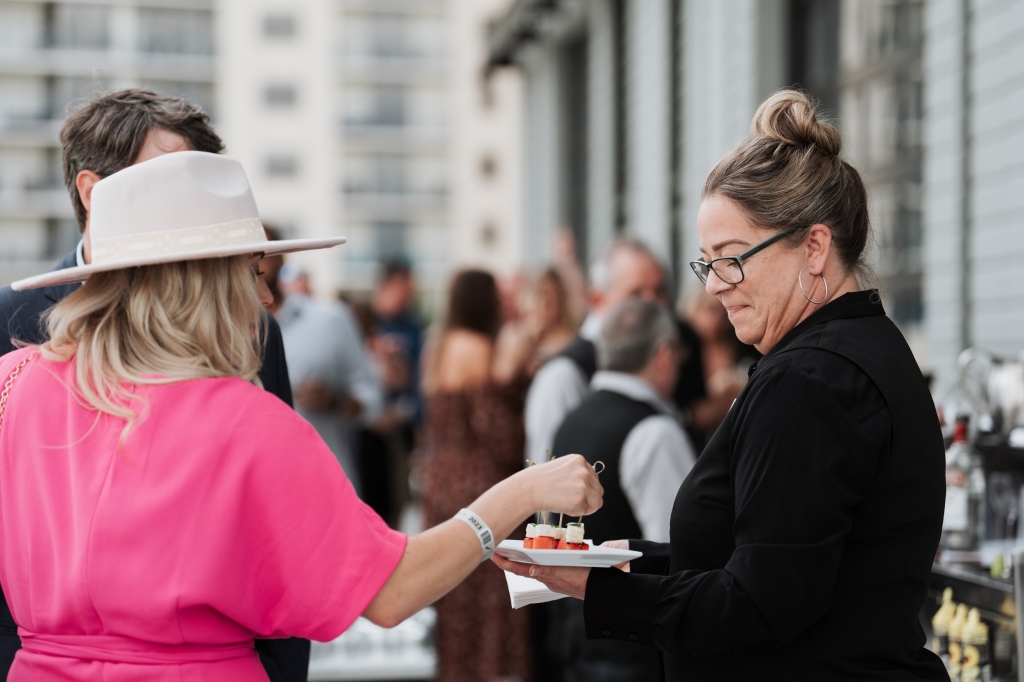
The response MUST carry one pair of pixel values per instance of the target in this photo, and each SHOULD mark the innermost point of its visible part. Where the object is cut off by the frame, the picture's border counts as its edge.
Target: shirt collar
(854, 304)
(632, 387)
(80, 253)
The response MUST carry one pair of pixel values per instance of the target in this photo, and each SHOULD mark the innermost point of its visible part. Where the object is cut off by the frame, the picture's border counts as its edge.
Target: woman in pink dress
(158, 511)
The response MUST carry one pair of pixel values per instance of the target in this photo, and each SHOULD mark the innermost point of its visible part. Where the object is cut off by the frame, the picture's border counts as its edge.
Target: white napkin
(525, 591)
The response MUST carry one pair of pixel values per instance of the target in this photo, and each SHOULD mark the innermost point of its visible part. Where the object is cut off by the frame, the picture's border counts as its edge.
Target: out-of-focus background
(450, 132)
(522, 138)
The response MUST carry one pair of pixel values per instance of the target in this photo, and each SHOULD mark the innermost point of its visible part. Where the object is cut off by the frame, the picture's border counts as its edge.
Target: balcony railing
(49, 201)
(110, 63)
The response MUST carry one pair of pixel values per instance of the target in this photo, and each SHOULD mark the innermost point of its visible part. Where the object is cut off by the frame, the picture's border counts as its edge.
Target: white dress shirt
(557, 389)
(656, 455)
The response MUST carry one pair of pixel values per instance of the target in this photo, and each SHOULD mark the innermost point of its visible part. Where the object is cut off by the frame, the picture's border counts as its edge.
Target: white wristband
(483, 532)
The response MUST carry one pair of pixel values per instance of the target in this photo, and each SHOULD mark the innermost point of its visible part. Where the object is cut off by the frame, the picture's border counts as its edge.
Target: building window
(389, 106)
(814, 50)
(81, 27)
(279, 26)
(390, 238)
(488, 235)
(173, 31)
(882, 86)
(488, 166)
(388, 38)
(282, 166)
(280, 95)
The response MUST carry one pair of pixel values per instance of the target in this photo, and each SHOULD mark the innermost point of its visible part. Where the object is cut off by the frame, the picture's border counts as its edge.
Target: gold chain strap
(10, 381)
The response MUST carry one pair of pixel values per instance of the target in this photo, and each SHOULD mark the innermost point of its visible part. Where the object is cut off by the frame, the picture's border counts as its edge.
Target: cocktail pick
(596, 471)
(551, 457)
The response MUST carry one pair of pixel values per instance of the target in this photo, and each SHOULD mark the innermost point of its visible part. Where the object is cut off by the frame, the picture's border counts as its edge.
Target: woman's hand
(618, 544)
(567, 580)
(567, 485)
(438, 559)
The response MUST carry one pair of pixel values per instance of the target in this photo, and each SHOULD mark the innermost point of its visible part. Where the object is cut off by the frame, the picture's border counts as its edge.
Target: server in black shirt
(802, 539)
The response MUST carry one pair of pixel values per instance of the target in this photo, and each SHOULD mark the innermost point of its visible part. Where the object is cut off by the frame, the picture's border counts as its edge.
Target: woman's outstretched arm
(437, 560)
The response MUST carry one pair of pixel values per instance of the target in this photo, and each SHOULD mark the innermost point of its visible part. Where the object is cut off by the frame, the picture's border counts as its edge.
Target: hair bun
(789, 117)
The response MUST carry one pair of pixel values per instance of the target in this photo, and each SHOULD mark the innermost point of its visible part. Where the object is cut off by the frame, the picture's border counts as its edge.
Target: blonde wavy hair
(157, 324)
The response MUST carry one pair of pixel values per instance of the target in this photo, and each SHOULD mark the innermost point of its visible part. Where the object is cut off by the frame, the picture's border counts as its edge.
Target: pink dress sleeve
(291, 551)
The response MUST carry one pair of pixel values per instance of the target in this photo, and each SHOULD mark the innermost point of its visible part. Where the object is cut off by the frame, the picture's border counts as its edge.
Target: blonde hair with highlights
(157, 324)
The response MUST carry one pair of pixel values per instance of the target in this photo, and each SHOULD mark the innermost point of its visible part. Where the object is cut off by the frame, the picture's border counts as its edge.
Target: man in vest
(629, 423)
(627, 269)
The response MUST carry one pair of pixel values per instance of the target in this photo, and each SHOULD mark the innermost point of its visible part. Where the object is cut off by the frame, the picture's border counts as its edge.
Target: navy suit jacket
(286, 660)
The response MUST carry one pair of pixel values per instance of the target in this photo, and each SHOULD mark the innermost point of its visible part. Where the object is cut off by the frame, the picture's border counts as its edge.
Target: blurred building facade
(486, 145)
(973, 177)
(339, 108)
(367, 118)
(629, 103)
(52, 53)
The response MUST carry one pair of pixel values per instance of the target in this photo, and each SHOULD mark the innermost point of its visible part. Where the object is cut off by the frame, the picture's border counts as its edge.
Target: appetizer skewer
(546, 536)
(573, 538)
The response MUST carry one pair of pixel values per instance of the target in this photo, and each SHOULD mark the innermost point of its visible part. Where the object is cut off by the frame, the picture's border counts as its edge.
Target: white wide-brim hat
(175, 207)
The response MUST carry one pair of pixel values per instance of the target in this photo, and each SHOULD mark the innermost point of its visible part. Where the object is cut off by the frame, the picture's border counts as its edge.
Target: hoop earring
(800, 281)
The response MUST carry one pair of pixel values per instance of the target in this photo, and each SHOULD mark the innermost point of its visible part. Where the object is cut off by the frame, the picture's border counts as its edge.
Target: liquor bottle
(940, 626)
(956, 649)
(963, 524)
(977, 664)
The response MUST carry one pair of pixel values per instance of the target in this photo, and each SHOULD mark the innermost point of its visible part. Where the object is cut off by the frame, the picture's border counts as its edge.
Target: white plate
(595, 557)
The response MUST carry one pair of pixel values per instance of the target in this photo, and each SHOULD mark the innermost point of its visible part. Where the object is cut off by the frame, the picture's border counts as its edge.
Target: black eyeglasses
(730, 268)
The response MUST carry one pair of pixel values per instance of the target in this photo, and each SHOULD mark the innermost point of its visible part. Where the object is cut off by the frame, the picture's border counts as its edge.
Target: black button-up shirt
(802, 539)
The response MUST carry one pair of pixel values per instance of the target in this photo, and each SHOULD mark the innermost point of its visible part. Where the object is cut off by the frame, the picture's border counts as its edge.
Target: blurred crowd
(425, 415)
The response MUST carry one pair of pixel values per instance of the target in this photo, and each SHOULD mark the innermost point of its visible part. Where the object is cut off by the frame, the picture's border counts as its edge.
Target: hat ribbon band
(179, 242)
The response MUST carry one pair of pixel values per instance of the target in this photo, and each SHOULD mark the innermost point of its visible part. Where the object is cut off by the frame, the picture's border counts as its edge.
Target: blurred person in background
(726, 360)
(574, 280)
(510, 290)
(100, 137)
(627, 422)
(294, 280)
(626, 269)
(383, 469)
(396, 345)
(401, 332)
(474, 384)
(333, 383)
(544, 314)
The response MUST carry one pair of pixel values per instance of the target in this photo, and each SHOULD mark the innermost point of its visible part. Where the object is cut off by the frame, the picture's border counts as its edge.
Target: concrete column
(723, 81)
(648, 74)
(601, 110)
(943, 187)
(994, 140)
(542, 177)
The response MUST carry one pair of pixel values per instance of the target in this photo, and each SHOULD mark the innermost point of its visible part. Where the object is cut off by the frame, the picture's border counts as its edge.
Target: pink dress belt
(116, 649)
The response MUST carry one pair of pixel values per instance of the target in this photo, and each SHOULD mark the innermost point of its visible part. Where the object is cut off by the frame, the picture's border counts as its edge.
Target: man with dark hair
(386, 446)
(109, 133)
(99, 138)
(393, 306)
